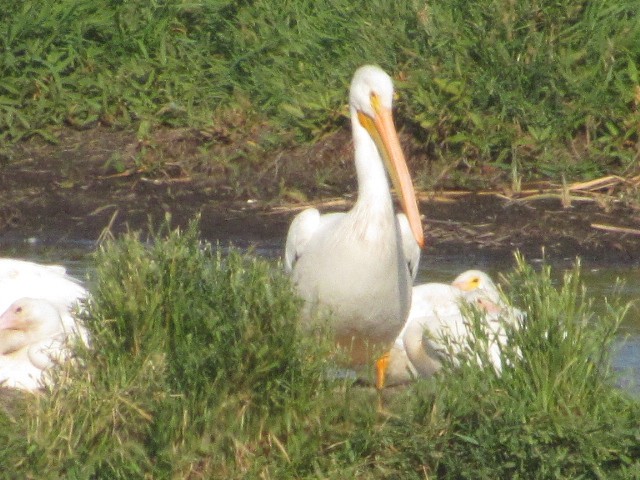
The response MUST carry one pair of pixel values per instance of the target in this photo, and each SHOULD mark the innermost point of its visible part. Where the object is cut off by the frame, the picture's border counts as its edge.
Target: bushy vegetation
(541, 88)
(197, 369)
(552, 412)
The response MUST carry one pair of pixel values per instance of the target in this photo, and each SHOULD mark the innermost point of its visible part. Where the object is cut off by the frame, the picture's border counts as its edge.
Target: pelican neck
(373, 183)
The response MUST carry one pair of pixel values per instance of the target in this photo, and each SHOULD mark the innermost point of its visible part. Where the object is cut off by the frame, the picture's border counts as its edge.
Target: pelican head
(370, 82)
(28, 320)
(479, 282)
(371, 99)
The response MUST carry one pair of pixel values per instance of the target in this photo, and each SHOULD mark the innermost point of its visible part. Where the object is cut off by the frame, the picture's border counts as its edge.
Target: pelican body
(437, 312)
(358, 265)
(37, 301)
(20, 278)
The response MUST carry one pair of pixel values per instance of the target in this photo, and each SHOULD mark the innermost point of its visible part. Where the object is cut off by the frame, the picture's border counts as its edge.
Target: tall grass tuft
(197, 369)
(197, 366)
(552, 412)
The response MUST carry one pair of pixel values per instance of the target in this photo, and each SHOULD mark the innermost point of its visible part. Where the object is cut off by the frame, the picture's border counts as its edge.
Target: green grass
(196, 363)
(198, 370)
(551, 87)
(553, 411)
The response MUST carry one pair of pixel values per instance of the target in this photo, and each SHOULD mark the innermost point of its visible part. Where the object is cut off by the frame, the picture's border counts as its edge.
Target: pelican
(479, 282)
(437, 312)
(20, 278)
(359, 265)
(34, 335)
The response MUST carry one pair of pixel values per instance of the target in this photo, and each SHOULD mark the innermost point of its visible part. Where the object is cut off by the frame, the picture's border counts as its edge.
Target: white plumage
(20, 278)
(37, 326)
(437, 313)
(33, 338)
(359, 265)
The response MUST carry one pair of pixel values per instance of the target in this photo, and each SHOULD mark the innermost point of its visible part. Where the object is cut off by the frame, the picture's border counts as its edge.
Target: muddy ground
(104, 178)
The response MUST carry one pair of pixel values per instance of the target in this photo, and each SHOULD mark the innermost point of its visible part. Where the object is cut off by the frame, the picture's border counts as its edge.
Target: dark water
(599, 279)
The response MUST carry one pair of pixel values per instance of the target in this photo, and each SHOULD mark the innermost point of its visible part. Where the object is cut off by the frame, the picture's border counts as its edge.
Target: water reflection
(601, 281)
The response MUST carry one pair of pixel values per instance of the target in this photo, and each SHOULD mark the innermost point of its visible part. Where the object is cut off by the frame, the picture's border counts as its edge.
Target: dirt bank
(101, 177)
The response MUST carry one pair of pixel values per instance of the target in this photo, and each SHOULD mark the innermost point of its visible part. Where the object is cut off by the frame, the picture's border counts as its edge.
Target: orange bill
(383, 131)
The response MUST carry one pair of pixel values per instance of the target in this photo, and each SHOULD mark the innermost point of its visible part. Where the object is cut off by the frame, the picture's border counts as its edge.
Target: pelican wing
(302, 228)
(17, 371)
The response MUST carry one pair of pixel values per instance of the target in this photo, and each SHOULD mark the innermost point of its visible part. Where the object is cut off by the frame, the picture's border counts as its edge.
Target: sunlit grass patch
(545, 89)
(198, 369)
(197, 365)
(553, 411)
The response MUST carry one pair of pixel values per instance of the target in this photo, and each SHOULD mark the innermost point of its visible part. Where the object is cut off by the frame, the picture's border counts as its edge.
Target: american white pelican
(34, 335)
(436, 313)
(19, 278)
(479, 282)
(358, 265)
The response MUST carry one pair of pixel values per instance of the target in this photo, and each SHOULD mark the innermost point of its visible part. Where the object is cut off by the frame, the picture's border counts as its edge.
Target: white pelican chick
(359, 265)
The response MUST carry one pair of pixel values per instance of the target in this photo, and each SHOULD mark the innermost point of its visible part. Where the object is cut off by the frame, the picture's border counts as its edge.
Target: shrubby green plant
(197, 369)
(196, 360)
(553, 86)
(552, 412)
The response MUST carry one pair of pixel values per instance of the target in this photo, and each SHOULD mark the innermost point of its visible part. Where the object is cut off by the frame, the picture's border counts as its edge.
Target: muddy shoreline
(70, 191)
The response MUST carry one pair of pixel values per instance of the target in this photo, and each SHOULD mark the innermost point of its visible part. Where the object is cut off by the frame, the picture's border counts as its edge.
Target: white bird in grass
(35, 334)
(437, 311)
(19, 278)
(359, 265)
